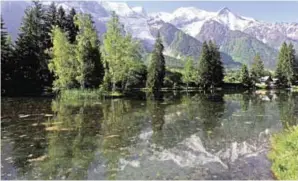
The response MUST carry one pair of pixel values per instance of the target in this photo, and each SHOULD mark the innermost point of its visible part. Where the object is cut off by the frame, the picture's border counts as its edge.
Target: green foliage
(31, 60)
(286, 67)
(232, 76)
(122, 56)
(257, 69)
(173, 79)
(210, 68)
(244, 76)
(189, 73)
(284, 154)
(61, 18)
(63, 63)
(71, 27)
(156, 70)
(7, 63)
(90, 69)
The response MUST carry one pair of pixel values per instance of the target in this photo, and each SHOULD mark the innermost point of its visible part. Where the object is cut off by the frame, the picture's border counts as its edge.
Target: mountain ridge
(189, 20)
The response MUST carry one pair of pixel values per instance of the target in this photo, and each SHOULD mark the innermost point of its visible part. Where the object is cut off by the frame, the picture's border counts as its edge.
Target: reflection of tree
(244, 102)
(156, 113)
(121, 124)
(288, 106)
(26, 135)
(210, 108)
(71, 141)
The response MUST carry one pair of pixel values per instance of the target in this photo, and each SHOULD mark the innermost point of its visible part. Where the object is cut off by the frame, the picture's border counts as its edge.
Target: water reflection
(174, 136)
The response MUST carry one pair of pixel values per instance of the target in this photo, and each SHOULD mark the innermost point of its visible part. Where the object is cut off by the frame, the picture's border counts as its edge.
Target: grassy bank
(91, 94)
(284, 154)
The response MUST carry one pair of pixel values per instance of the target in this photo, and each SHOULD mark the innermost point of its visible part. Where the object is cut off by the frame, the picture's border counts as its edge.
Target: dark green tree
(257, 69)
(7, 67)
(217, 69)
(285, 70)
(71, 28)
(50, 21)
(204, 67)
(156, 70)
(61, 19)
(244, 76)
(31, 59)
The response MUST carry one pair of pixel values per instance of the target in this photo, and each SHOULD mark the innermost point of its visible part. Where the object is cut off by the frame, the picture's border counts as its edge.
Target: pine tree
(71, 28)
(257, 69)
(188, 72)
(290, 64)
(50, 22)
(7, 64)
(31, 59)
(204, 67)
(90, 68)
(280, 69)
(244, 76)
(63, 63)
(156, 70)
(285, 70)
(217, 69)
(61, 18)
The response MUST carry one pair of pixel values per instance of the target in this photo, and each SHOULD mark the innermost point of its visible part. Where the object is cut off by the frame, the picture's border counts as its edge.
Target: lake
(182, 136)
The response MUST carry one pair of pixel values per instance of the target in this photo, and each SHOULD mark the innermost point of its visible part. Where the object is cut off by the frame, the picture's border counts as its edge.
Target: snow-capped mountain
(227, 26)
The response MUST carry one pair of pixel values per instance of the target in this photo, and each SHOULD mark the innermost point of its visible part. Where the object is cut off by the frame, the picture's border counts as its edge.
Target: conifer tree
(31, 59)
(285, 70)
(63, 63)
(244, 76)
(50, 22)
(7, 64)
(204, 67)
(217, 69)
(90, 68)
(71, 28)
(188, 72)
(156, 70)
(257, 69)
(281, 63)
(61, 18)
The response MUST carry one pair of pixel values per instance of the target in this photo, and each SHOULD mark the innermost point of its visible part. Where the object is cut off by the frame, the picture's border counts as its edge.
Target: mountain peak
(224, 11)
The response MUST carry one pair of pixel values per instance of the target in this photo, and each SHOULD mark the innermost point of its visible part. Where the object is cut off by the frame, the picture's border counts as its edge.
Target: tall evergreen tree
(7, 64)
(71, 27)
(90, 68)
(30, 55)
(50, 22)
(217, 69)
(244, 76)
(204, 67)
(61, 18)
(285, 70)
(279, 72)
(257, 69)
(63, 63)
(156, 70)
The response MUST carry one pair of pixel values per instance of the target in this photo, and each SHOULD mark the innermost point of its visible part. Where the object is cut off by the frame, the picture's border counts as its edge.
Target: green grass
(87, 94)
(284, 154)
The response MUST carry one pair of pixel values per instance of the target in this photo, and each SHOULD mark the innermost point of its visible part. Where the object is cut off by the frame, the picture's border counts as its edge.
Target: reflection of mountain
(183, 137)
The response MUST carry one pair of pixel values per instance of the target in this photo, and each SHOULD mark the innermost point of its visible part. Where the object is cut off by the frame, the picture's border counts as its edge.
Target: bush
(284, 154)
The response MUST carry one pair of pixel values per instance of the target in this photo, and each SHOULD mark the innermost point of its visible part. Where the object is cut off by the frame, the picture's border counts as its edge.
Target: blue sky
(274, 11)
